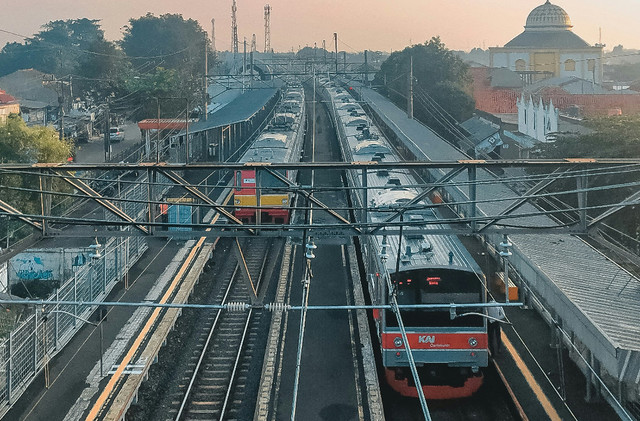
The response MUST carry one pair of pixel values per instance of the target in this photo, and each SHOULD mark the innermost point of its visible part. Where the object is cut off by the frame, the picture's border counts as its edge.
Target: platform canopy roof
(241, 109)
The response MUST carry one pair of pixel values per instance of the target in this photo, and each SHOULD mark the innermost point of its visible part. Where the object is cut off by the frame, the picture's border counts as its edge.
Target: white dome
(548, 17)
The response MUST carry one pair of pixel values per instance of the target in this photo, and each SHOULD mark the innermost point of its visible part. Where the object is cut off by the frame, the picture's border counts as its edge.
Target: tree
(59, 48)
(438, 73)
(169, 41)
(170, 52)
(612, 137)
(19, 143)
(73, 47)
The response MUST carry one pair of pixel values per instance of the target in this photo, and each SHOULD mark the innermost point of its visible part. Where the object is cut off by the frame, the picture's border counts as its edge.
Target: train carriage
(280, 141)
(449, 350)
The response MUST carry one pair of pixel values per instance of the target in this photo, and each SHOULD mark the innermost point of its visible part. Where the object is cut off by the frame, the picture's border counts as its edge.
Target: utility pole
(253, 49)
(344, 61)
(107, 139)
(186, 136)
(206, 69)
(244, 64)
(335, 40)
(366, 68)
(410, 96)
(158, 132)
(324, 49)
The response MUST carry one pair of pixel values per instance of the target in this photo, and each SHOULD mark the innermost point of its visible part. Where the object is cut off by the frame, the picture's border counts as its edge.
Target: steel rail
(241, 346)
(204, 349)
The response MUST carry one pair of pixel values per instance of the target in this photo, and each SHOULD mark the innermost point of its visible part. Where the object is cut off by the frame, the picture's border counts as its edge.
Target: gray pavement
(93, 151)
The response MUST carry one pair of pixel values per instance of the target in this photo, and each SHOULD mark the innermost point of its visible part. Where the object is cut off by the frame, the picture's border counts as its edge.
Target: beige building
(8, 105)
(549, 48)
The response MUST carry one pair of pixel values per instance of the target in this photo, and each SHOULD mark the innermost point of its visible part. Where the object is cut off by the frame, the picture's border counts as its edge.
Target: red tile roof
(5, 98)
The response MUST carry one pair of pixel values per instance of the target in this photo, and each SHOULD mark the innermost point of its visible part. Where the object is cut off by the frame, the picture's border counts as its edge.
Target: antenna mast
(267, 28)
(234, 28)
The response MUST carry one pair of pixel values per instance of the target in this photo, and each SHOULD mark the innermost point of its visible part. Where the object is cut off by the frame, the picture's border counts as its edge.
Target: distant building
(38, 101)
(537, 120)
(8, 105)
(484, 134)
(549, 48)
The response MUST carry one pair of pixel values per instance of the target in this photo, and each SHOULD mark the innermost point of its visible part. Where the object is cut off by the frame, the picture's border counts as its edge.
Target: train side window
(238, 180)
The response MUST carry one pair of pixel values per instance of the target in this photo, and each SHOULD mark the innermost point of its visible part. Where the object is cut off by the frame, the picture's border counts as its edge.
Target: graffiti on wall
(32, 268)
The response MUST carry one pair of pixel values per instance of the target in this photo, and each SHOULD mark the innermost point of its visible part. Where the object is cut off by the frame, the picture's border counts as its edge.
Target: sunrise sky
(371, 24)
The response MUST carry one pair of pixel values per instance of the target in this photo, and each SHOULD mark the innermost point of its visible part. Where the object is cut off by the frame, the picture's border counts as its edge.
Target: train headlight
(473, 342)
(397, 342)
(285, 201)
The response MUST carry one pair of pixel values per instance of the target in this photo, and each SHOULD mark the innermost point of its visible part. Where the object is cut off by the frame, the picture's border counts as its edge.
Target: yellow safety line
(533, 384)
(156, 312)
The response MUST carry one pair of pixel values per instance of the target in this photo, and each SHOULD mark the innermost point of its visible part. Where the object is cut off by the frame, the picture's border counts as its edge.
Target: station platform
(536, 372)
(71, 368)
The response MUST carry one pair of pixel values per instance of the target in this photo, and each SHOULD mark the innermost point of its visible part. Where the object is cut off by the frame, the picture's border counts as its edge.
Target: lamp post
(505, 253)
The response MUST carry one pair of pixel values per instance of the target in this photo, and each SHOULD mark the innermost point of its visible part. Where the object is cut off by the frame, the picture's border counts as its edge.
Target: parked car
(116, 134)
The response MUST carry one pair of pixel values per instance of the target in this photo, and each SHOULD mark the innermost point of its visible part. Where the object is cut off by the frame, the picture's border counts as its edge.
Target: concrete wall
(53, 264)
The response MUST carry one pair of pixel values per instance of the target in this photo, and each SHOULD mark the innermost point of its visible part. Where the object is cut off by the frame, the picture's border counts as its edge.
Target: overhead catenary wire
(120, 56)
(569, 174)
(368, 208)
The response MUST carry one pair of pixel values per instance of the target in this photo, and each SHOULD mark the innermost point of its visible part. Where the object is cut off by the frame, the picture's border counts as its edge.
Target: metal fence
(48, 329)
(41, 335)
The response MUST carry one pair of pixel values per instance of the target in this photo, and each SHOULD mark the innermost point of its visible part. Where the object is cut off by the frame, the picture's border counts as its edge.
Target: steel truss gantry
(342, 226)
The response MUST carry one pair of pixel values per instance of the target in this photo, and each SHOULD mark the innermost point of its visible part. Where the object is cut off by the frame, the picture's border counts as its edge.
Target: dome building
(549, 48)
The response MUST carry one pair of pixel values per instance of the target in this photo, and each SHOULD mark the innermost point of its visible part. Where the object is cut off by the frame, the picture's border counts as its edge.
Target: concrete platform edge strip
(374, 398)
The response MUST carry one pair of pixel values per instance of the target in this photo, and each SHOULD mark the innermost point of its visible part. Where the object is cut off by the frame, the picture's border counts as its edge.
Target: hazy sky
(370, 24)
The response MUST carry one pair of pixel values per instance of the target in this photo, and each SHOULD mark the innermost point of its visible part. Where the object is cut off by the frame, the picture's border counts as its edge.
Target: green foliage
(68, 47)
(437, 71)
(169, 52)
(19, 143)
(159, 56)
(142, 90)
(58, 48)
(169, 41)
(612, 137)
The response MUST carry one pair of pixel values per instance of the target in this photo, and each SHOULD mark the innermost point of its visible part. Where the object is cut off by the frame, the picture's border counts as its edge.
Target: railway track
(214, 384)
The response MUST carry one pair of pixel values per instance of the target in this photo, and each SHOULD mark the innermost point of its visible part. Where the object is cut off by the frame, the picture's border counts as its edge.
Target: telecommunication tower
(267, 28)
(234, 28)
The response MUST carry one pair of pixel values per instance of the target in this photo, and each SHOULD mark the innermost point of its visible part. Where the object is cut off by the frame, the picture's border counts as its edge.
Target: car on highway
(116, 134)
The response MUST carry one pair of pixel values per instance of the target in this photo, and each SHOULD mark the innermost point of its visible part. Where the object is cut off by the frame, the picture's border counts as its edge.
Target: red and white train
(449, 350)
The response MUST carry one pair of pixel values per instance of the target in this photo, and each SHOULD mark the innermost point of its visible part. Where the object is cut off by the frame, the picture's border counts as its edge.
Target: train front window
(271, 182)
(442, 286)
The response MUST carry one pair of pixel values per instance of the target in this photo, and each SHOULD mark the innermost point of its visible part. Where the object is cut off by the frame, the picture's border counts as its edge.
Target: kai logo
(426, 339)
